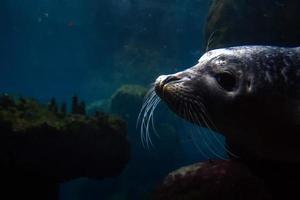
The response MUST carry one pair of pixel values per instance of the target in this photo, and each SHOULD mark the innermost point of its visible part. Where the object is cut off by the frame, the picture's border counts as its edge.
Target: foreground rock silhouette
(40, 149)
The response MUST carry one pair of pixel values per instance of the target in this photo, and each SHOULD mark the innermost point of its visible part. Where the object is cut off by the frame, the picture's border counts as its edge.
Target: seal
(250, 94)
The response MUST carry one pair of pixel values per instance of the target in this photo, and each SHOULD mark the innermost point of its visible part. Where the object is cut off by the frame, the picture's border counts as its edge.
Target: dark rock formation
(253, 22)
(52, 106)
(63, 109)
(39, 149)
(212, 180)
(78, 108)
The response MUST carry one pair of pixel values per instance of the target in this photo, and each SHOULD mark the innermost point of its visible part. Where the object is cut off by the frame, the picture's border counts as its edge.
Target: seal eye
(226, 80)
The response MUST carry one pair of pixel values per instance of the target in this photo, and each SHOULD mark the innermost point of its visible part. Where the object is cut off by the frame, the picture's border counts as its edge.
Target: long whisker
(146, 116)
(145, 119)
(211, 122)
(144, 111)
(152, 119)
(186, 114)
(147, 99)
(224, 146)
(204, 116)
(198, 121)
(153, 126)
(208, 122)
(148, 137)
(210, 40)
(211, 148)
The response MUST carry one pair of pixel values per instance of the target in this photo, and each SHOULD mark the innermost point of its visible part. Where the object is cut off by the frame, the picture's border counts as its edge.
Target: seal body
(250, 94)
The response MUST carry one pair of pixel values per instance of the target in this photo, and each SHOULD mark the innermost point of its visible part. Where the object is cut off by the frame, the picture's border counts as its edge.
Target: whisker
(148, 137)
(186, 114)
(203, 116)
(145, 119)
(152, 121)
(215, 128)
(147, 99)
(205, 119)
(210, 40)
(198, 146)
(144, 111)
(199, 130)
(211, 149)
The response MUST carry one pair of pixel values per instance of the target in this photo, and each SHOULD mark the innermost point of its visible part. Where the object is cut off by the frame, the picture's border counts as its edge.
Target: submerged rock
(253, 22)
(98, 107)
(212, 180)
(46, 147)
(127, 101)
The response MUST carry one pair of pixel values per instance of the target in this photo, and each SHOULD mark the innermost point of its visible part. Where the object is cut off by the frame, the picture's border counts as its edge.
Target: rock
(45, 147)
(253, 22)
(127, 101)
(212, 180)
(98, 106)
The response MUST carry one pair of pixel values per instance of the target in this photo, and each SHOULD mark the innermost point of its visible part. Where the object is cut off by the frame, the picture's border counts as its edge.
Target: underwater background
(92, 47)
(84, 58)
(61, 48)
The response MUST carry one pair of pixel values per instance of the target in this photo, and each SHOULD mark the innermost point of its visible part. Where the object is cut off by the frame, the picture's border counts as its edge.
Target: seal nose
(169, 79)
(163, 80)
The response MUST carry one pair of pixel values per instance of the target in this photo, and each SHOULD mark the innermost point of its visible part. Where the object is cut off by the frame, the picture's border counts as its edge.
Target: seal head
(250, 94)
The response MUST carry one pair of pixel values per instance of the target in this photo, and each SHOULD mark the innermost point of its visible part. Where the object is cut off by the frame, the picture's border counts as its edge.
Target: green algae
(22, 114)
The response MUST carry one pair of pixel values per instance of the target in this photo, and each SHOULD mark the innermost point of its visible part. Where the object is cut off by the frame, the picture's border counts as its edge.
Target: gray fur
(251, 93)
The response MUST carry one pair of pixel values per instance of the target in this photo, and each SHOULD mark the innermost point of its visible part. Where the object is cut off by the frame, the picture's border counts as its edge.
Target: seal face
(250, 94)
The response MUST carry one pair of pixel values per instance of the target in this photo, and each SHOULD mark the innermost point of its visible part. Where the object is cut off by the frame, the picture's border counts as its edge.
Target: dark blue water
(58, 48)
(61, 47)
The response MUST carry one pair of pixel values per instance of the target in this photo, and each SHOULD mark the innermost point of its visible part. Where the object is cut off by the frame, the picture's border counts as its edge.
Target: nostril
(170, 79)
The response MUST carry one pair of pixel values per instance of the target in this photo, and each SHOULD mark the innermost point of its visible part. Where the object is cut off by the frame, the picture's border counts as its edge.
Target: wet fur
(261, 116)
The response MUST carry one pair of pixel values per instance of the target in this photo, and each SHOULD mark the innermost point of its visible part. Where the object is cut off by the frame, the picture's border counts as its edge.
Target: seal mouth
(179, 99)
(164, 89)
